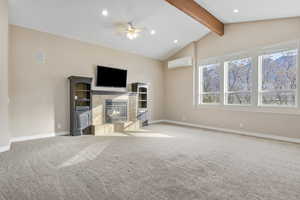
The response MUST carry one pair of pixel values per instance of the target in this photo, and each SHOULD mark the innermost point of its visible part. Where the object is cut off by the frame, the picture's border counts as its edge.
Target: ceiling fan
(131, 31)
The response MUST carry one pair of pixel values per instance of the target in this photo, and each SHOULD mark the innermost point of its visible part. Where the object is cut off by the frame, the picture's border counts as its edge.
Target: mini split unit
(181, 62)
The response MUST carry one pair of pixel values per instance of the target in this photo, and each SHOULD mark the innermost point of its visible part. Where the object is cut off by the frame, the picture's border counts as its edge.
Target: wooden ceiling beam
(200, 14)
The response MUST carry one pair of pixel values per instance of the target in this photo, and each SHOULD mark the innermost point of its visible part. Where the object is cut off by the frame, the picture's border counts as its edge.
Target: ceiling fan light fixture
(132, 32)
(132, 35)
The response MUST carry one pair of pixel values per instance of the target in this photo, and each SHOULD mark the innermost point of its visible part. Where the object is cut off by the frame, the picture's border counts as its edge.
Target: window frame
(226, 79)
(260, 69)
(200, 86)
(254, 106)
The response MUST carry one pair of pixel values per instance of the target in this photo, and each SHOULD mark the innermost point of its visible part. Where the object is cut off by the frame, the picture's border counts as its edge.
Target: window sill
(255, 109)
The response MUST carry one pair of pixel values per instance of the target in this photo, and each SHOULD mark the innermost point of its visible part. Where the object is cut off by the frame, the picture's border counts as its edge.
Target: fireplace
(116, 111)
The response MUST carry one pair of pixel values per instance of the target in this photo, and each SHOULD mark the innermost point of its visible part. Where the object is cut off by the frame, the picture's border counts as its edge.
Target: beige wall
(238, 37)
(4, 130)
(39, 92)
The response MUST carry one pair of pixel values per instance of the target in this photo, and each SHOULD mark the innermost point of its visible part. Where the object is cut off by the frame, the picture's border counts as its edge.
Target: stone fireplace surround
(105, 122)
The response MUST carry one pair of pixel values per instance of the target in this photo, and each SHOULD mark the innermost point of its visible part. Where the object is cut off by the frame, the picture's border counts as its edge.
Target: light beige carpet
(169, 162)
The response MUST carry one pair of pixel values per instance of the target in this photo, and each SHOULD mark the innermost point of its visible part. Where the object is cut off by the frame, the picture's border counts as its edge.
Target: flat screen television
(111, 77)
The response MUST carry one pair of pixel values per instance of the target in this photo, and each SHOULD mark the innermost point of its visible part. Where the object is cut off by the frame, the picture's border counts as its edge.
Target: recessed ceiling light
(104, 12)
(236, 11)
(152, 32)
(175, 41)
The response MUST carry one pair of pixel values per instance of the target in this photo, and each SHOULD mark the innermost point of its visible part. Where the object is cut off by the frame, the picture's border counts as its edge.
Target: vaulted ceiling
(82, 20)
(251, 10)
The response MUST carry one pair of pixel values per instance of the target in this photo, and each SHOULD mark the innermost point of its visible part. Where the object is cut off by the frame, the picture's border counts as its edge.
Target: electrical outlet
(241, 125)
(58, 126)
(183, 118)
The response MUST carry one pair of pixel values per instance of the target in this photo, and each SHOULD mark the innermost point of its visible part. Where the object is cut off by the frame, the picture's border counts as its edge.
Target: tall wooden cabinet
(80, 106)
(141, 89)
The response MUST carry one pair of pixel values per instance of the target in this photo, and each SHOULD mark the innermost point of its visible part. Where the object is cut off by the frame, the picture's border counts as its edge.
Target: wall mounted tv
(111, 77)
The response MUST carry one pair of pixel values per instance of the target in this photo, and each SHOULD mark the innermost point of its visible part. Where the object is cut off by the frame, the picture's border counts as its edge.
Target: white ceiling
(251, 10)
(82, 19)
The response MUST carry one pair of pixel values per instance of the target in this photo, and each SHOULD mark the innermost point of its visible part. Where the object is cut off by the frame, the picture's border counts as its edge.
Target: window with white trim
(210, 86)
(262, 77)
(278, 78)
(238, 81)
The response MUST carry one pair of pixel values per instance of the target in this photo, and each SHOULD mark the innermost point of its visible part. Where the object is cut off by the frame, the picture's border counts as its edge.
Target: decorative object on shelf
(142, 91)
(80, 106)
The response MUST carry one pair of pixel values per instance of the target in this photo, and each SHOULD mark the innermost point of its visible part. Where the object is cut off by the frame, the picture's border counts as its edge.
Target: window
(252, 79)
(238, 81)
(278, 78)
(210, 84)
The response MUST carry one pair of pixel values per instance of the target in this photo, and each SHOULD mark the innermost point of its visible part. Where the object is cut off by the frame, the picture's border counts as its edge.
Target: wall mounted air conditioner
(181, 62)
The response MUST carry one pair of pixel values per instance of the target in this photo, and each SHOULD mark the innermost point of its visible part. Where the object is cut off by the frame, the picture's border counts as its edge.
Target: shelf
(83, 91)
(104, 92)
(83, 100)
(80, 106)
(140, 90)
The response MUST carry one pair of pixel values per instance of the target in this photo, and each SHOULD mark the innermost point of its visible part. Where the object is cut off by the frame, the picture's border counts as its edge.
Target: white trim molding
(4, 148)
(157, 121)
(32, 137)
(232, 131)
(35, 137)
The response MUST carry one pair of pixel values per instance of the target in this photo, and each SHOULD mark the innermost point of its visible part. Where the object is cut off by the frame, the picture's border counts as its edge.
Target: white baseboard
(4, 148)
(63, 133)
(32, 137)
(35, 137)
(157, 121)
(245, 133)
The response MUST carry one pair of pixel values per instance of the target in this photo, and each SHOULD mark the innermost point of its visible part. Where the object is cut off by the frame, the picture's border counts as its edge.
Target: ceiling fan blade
(121, 27)
(139, 30)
